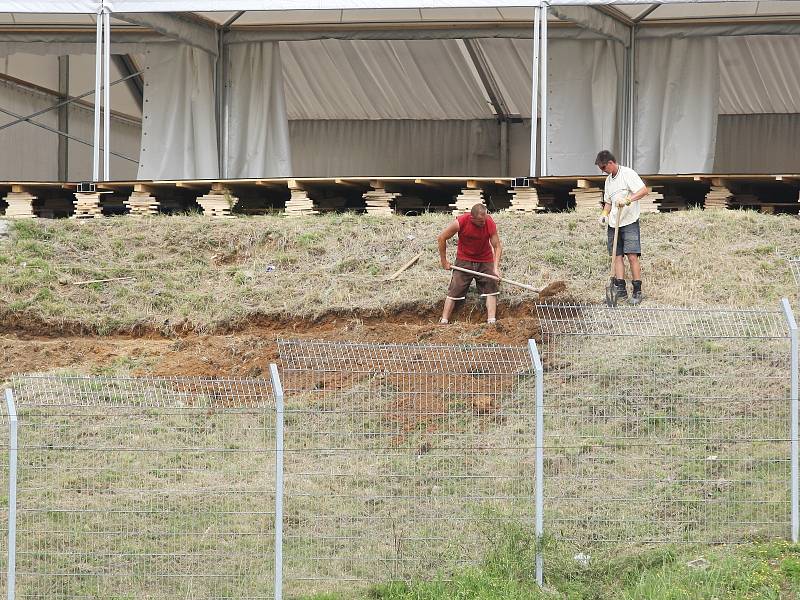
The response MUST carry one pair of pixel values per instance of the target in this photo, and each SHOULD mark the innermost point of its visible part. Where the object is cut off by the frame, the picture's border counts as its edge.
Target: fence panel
(402, 461)
(4, 470)
(145, 488)
(666, 425)
(794, 263)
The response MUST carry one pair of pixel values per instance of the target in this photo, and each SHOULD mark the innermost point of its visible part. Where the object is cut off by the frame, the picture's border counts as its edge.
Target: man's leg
(619, 267)
(491, 307)
(449, 303)
(636, 267)
(636, 271)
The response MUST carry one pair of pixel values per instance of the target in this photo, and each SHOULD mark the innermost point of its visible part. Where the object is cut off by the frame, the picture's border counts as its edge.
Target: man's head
(606, 162)
(478, 215)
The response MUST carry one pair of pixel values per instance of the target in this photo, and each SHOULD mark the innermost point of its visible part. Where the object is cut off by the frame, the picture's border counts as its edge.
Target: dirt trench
(246, 350)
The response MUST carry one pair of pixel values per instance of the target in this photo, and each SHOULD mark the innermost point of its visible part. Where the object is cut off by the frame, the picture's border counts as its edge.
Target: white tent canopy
(273, 92)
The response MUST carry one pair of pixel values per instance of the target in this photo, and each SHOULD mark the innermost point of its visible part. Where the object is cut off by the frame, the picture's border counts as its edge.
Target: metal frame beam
(63, 118)
(127, 66)
(69, 100)
(192, 31)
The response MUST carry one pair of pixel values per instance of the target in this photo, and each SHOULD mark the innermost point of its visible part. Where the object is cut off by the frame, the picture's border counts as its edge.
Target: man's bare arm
(441, 240)
(497, 246)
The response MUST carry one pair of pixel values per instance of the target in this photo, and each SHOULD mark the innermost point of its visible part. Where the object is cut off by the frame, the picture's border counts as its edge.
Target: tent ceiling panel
(298, 17)
(778, 8)
(217, 17)
(516, 13)
(454, 14)
(46, 19)
(710, 10)
(286, 17)
(50, 6)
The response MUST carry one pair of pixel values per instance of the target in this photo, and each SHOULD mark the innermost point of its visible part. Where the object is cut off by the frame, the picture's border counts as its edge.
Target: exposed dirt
(245, 350)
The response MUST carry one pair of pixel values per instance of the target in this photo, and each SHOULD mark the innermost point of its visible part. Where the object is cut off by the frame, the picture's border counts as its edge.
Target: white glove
(624, 203)
(603, 220)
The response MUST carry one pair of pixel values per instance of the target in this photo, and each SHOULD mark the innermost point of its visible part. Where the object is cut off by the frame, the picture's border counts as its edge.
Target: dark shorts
(460, 281)
(628, 241)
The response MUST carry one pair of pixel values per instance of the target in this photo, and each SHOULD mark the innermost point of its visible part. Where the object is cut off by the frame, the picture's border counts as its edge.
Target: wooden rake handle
(511, 281)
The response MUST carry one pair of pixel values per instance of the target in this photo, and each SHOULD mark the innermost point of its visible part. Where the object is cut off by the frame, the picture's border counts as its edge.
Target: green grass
(196, 273)
(751, 571)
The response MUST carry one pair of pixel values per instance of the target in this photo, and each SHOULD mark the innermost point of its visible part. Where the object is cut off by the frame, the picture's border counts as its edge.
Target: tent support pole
(534, 93)
(543, 152)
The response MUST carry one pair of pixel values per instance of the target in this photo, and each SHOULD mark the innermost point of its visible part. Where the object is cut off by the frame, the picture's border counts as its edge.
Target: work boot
(622, 290)
(636, 297)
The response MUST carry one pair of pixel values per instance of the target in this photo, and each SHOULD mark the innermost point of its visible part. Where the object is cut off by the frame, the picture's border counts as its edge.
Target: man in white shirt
(623, 190)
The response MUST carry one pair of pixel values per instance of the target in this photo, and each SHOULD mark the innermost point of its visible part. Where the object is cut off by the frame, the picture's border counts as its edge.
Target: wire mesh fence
(666, 425)
(794, 264)
(402, 461)
(144, 488)
(4, 493)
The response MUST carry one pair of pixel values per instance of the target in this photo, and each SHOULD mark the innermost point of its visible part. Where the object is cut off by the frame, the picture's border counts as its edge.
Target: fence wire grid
(794, 264)
(402, 461)
(666, 425)
(144, 488)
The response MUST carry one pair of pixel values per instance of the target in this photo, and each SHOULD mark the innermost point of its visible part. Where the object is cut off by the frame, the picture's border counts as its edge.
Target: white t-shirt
(626, 182)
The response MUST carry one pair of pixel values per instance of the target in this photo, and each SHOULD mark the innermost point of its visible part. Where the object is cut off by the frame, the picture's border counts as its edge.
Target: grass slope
(194, 273)
(753, 571)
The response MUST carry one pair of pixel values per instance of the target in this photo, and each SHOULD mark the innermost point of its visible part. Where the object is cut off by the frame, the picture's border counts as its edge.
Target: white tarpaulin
(759, 74)
(258, 128)
(380, 79)
(583, 104)
(677, 105)
(179, 137)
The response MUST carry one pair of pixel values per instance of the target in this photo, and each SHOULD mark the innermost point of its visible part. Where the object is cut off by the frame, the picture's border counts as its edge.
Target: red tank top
(473, 242)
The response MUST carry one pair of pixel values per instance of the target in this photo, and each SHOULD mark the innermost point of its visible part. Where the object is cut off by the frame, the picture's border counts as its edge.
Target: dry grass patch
(192, 273)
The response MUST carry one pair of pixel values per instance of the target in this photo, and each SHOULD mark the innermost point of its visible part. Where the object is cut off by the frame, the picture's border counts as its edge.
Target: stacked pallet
(217, 204)
(20, 205)
(587, 199)
(526, 200)
(142, 204)
(717, 198)
(378, 201)
(300, 204)
(671, 201)
(649, 204)
(468, 198)
(87, 205)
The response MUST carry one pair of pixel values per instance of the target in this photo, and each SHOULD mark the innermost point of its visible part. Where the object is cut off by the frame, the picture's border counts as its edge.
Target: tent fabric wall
(399, 147)
(764, 143)
(125, 139)
(759, 74)
(583, 102)
(179, 136)
(258, 127)
(676, 105)
(35, 150)
(380, 79)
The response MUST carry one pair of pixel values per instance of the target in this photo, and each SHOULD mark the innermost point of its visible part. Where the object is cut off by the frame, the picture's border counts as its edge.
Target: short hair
(604, 157)
(477, 210)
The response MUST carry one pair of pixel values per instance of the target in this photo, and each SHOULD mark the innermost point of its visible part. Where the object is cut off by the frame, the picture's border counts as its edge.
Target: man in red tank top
(479, 249)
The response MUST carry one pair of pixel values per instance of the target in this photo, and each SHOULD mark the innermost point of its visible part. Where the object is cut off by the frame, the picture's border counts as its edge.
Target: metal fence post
(794, 406)
(539, 461)
(12, 495)
(278, 389)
